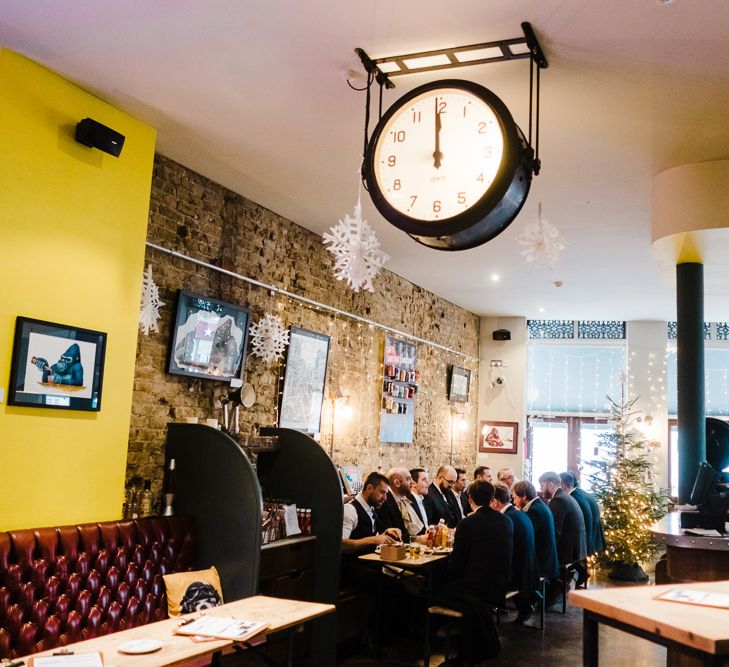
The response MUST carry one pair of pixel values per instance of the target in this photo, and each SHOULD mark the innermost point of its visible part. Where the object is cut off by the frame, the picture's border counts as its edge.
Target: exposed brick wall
(197, 217)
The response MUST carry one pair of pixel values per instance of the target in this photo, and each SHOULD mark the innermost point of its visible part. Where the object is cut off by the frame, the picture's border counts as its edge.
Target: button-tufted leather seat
(65, 584)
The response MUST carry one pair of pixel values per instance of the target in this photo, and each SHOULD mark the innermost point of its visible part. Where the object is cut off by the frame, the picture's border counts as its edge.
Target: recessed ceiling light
(495, 277)
(665, 2)
(541, 310)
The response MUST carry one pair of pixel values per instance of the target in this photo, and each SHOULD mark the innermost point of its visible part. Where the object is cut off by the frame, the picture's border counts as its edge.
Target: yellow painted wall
(73, 224)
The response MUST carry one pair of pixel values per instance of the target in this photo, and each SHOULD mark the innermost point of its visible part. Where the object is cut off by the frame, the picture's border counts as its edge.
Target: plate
(138, 646)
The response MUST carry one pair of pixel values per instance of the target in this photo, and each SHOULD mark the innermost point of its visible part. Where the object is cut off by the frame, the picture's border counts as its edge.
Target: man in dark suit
(525, 574)
(594, 537)
(440, 503)
(459, 491)
(478, 574)
(569, 529)
(525, 498)
(397, 511)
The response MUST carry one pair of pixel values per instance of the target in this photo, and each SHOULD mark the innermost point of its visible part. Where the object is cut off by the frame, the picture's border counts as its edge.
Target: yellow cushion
(192, 591)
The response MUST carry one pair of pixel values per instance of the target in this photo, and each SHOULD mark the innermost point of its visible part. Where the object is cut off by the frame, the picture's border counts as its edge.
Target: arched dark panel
(218, 486)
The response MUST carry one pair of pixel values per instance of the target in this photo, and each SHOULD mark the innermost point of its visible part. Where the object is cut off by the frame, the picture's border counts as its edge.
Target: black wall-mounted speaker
(95, 135)
(502, 334)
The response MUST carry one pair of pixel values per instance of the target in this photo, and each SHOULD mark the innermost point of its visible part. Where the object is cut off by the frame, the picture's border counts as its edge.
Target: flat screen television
(56, 366)
(209, 338)
(704, 484)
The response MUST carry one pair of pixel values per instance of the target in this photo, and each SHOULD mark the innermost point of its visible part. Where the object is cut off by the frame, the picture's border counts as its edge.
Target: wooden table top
(408, 562)
(703, 628)
(279, 613)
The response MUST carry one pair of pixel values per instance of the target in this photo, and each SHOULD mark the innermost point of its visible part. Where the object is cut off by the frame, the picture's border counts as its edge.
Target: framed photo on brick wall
(498, 437)
(459, 381)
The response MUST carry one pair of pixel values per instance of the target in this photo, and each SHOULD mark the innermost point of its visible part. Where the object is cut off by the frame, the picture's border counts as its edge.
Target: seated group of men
(507, 537)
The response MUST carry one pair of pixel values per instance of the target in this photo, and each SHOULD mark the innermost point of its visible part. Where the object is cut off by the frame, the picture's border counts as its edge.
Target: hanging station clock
(448, 165)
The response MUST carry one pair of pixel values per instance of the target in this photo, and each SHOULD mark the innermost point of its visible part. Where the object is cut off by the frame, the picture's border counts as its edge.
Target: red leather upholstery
(60, 585)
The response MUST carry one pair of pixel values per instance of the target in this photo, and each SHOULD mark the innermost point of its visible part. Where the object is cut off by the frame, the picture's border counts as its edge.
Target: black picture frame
(73, 382)
(459, 384)
(302, 393)
(209, 338)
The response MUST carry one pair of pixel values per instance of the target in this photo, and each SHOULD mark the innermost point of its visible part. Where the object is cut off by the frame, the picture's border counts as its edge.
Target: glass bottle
(145, 502)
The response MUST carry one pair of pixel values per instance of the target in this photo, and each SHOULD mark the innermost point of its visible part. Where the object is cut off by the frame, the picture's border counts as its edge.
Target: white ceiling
(251, 95)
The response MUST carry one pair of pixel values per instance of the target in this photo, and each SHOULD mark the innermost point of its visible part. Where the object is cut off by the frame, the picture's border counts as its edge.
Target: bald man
(440, 503)
(397, 511)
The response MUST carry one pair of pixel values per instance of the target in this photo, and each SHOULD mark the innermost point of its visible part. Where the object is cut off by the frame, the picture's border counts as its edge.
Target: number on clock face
(438, 155)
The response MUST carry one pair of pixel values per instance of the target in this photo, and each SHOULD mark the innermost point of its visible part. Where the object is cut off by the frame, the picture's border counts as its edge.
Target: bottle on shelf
(145, 502)
(169, 488)
(132, 509)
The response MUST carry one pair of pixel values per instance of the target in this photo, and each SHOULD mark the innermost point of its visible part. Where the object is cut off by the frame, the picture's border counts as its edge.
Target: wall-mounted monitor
(56, 366)
(209, 338)
(459, 383)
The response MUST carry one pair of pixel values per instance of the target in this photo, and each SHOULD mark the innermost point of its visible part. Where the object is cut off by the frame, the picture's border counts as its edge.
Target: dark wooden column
(691, 398)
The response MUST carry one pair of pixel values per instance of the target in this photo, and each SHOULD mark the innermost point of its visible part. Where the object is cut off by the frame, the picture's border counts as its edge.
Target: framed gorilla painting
(56, 366)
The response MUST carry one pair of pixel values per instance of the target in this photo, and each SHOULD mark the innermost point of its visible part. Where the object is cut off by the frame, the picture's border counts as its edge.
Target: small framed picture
(56, 366)
(458, 384)
(498, 437)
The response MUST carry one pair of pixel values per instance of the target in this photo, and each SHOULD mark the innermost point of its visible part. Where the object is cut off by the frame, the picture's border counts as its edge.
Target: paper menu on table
(69, 660)
(226, 627)
(701, 598)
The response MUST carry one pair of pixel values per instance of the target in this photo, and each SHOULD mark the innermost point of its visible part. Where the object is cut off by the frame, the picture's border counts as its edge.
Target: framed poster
(209, 338)
(56, 366)
(458, 384)
(498, 437)
(303, 388)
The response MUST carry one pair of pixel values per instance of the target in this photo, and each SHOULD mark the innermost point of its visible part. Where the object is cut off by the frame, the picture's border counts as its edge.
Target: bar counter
(689, 558)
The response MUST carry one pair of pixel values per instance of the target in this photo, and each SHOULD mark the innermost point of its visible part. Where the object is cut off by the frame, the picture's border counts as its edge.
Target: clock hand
(437, 155)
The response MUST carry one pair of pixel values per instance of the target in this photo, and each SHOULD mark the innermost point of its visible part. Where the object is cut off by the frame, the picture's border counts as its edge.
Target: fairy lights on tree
(631, 502)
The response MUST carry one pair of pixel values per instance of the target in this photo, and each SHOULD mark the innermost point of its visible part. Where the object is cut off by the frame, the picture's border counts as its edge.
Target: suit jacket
(544, 540)
(595, 535)
(464, 504)
(390, 516)
(439, 507)
(422, 516)
(525, 572)
(569, 528)
(482, 554)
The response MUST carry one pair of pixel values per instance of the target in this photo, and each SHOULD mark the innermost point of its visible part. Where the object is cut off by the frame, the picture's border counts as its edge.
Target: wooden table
(279, 613)
(426, 566)
(700, 632)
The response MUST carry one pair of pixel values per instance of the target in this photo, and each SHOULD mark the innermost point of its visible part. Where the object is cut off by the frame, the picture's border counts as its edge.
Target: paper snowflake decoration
(269, 337)
(149, 311)
(542, 242)
(357, 253)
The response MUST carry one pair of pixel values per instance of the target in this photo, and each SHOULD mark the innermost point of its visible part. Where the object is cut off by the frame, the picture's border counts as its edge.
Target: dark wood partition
(217, 484)
(300, 471)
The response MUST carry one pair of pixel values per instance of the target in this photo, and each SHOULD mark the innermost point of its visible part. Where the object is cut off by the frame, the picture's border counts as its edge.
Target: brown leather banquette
(64, 584)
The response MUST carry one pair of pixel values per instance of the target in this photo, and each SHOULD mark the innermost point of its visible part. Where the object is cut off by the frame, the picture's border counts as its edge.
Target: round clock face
(438, 154)
(448, 165)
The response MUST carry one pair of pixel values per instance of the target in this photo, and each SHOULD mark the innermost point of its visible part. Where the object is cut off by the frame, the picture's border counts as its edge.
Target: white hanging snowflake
(356, 249)
(542, 242)
(269, 337)
(149, 311)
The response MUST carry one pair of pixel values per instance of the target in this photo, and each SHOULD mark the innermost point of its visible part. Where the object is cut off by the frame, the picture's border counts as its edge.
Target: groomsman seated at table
(484, 474)
(440, 503)
(506, 476)
(594, 536)
(418, 490)
(569, 525)
(459, 491)
(398, 511)
(478, 574)
(525, 575)
(526, 499)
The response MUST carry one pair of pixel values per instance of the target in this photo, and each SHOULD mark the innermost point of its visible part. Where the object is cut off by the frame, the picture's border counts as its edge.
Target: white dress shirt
(350, 519)
(421, 506)
(460, 505)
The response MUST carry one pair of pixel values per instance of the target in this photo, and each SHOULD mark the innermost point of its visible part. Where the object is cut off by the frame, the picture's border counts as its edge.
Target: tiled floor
(560, 645)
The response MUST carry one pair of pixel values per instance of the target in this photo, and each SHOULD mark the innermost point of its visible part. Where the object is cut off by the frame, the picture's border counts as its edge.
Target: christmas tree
(630, 501)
